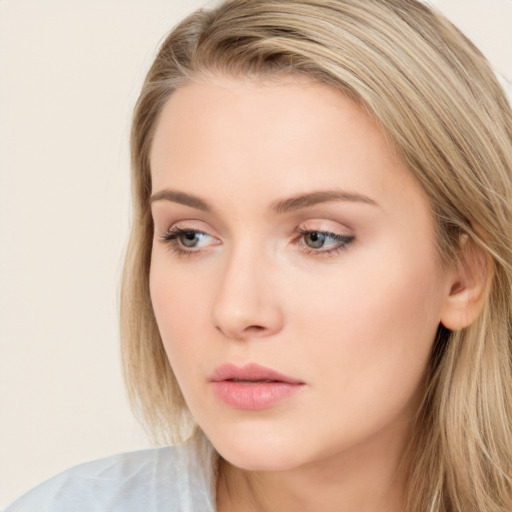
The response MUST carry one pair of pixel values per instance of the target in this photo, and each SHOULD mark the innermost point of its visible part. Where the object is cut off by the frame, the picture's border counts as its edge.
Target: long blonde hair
(437, 100)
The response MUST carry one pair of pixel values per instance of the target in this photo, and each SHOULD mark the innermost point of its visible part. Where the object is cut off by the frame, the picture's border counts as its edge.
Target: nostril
(254, 328)
(251, 330)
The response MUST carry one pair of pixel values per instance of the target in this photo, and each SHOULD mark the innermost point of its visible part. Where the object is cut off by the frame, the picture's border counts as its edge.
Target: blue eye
(186, 241)
(324, 242)
(189, 238)
(315, 239)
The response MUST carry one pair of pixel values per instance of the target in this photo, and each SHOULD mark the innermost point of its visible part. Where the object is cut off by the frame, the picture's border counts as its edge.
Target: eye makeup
(187, 241)
(323, 242)
(190, 241)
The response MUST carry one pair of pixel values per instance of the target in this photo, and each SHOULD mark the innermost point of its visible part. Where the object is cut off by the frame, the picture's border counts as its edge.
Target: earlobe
(468, 286)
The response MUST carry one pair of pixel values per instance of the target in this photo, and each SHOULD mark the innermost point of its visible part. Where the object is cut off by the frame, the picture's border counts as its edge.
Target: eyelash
(171, 238)
(343, 242)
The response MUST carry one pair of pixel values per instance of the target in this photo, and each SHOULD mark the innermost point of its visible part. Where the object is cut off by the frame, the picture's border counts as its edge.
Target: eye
(323, 242)
(315, 239)
(190, 238)
(187, 241)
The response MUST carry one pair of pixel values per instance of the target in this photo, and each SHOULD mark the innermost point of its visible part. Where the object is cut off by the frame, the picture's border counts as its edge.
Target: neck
(366, 478)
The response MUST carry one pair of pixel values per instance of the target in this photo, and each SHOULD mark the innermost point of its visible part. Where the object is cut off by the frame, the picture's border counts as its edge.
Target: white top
(171, 479)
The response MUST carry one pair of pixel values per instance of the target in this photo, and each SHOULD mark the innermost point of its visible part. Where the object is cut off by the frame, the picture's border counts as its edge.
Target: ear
(467, 287)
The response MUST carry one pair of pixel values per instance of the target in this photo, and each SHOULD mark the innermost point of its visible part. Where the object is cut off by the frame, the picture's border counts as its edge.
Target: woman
(318, 279)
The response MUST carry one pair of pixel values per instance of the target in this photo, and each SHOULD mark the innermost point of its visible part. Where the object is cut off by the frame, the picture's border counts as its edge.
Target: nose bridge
(246, 303)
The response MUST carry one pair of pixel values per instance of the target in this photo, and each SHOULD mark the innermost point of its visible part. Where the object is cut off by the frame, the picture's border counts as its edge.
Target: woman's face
(294, 273)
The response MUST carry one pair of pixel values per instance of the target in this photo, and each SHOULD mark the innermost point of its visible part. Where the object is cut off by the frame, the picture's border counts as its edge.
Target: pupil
(316, 240)
(189, 239)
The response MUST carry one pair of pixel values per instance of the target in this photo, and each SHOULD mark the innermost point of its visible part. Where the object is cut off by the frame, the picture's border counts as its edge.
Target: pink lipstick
(252, 386)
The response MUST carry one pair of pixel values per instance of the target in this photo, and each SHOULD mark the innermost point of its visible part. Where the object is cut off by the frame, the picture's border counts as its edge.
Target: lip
(252, 386)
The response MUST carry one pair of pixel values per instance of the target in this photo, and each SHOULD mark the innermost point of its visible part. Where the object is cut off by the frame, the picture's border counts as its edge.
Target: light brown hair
(437, 100)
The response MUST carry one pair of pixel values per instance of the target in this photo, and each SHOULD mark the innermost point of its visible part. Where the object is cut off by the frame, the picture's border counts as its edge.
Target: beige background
(70, 71)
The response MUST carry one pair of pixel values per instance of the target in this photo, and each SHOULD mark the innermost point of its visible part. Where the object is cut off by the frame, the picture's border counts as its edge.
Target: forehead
(274, 137)
(266, 108)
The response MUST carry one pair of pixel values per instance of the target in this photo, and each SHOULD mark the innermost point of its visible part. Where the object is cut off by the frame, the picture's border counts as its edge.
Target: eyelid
(192, 225)
(171, 237)
(326, 226)
(179, 228)
(342, 236)
(335, 237)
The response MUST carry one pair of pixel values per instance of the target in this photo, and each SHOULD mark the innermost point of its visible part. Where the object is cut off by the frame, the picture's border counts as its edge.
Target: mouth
(252, 386)
(261, 381)
(250, 373)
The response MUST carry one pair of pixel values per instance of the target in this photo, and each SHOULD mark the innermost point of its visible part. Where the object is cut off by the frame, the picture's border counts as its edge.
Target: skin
(355, 321)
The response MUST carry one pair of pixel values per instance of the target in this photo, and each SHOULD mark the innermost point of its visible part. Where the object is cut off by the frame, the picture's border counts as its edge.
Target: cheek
(180, 311)
(370, 331)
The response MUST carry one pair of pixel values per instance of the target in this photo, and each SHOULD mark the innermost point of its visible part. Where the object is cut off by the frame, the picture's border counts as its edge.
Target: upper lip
(251, 372)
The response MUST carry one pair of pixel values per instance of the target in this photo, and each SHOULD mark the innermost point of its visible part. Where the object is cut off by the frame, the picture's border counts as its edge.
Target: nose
(247, 304)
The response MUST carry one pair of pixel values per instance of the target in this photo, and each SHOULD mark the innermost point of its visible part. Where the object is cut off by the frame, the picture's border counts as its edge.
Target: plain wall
(70, 72)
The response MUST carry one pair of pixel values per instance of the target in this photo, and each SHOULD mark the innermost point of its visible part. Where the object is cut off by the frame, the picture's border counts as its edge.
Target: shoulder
(172, 478)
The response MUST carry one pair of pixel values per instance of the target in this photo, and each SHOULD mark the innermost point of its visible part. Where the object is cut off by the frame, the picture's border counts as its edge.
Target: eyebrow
(281, 206)
(180, 197)
(314, 198)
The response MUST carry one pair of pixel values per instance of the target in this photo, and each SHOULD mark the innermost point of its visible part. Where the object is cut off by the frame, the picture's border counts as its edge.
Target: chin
(259, 451)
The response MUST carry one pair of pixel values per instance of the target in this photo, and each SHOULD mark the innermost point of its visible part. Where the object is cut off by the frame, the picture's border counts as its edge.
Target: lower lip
(254, 395)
